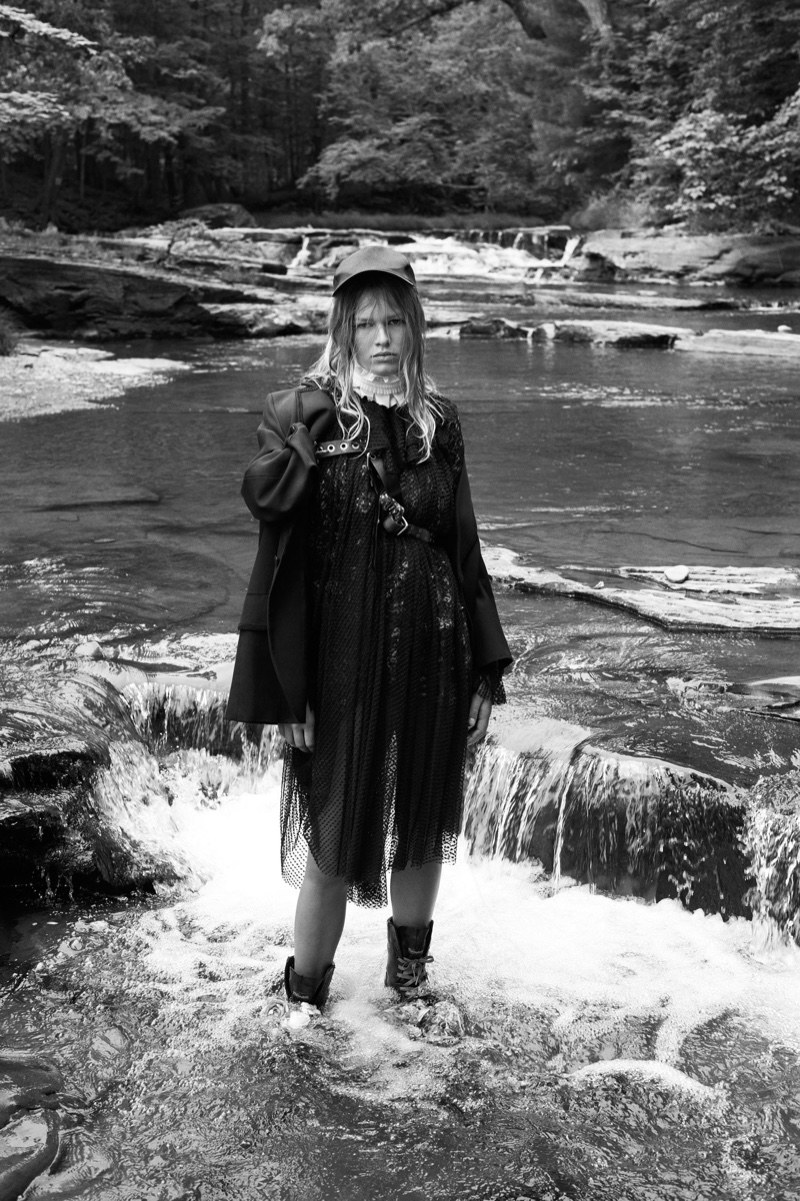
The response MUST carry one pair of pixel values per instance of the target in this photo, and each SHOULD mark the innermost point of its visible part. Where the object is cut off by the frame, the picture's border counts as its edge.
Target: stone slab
(672, 606)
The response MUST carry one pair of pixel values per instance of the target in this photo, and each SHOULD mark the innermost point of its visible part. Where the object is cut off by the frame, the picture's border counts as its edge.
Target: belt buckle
(400, 517)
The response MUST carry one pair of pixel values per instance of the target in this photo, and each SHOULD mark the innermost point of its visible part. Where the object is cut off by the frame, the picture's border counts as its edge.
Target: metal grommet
(344, 446)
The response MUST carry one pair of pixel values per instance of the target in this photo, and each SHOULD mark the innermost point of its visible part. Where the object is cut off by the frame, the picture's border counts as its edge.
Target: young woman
(369, 634)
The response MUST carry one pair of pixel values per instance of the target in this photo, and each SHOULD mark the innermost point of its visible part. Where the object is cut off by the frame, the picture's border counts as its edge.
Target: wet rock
(27, 1082)
(256, 321)
(80, 1162)
(97, 300)
(754, 342)
(81, 796)
(660, 255)
(677, 574)
(779, 699)
(633, 825)
(443, 1024)
(622, 334)
(28, 1145)
(558, 296)
(89, 650)
(491, 327)
(752, 600)
(723, 581)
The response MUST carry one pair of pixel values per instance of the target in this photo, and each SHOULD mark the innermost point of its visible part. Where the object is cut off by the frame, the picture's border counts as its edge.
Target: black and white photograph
(400, 600)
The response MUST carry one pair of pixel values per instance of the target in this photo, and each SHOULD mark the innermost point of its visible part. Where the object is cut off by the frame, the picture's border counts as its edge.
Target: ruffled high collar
(385, 390)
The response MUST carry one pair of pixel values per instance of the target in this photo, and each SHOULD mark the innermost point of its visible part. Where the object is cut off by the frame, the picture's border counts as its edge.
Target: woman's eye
(363, 324)
(396, 321)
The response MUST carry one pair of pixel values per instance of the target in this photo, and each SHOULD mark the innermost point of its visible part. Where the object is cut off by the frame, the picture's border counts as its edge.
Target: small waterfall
(771, 840)
(302, 258)
(632, 825)
(100, 761)
(539, 241)
(96, 762)
(446, 251)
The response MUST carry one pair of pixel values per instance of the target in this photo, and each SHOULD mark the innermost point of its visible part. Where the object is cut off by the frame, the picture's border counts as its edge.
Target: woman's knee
(321, 881)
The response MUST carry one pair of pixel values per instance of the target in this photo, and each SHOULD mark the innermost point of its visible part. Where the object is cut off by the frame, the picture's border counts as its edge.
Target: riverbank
(41, 378)
(186, 280)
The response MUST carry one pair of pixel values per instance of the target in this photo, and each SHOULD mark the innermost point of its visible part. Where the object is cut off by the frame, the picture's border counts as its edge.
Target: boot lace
(412, 973)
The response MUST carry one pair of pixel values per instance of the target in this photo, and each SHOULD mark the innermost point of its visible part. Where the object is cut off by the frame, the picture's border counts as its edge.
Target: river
(582, 1046)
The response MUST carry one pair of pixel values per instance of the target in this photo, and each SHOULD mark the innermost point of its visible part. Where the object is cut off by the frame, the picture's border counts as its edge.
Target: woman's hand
(480, 710)
(300, 735)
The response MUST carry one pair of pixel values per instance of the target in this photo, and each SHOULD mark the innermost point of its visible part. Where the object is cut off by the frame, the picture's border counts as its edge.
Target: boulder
(257, 321)
(666, 256)
(95, 300)
(625, 335)
(491, 327)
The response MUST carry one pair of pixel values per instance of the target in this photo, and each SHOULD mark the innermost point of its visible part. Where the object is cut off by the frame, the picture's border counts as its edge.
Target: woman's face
(380, 335)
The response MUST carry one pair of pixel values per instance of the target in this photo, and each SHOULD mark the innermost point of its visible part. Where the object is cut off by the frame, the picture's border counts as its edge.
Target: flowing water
(578, 1045)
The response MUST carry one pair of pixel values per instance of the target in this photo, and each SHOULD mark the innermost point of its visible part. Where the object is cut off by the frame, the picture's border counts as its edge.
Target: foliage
(694, 109)
(16, 20)
(616, 111)
(456, 108)
(152, 105)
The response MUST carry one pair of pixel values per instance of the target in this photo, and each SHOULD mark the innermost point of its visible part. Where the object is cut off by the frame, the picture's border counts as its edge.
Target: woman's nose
(381, 332)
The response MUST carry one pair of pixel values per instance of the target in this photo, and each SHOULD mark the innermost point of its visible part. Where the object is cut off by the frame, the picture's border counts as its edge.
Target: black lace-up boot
(406, 969)
(311, 989)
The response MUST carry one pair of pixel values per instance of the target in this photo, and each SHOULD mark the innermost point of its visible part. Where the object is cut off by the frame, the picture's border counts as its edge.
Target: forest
(602, 113)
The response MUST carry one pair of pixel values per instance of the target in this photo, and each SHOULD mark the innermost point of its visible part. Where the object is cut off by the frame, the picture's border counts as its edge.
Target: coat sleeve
(489, 646)
(283, 472)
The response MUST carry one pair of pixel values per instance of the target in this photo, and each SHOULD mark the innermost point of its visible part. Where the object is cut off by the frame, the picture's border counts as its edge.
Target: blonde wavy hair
(333, 370)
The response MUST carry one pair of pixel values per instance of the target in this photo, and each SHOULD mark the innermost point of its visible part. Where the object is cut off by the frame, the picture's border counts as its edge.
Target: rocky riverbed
(186, 279)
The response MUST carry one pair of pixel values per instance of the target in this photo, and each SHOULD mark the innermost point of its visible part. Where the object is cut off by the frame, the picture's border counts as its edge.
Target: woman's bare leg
(318, 920)
(413, 894)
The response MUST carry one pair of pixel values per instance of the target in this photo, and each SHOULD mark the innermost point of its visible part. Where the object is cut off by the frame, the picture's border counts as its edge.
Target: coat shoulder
(301, 402)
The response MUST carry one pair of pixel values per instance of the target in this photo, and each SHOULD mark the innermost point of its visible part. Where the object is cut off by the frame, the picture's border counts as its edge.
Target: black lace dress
(389, 669)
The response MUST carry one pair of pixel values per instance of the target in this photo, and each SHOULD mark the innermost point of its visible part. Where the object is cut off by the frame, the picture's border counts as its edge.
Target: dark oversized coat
(269, 677)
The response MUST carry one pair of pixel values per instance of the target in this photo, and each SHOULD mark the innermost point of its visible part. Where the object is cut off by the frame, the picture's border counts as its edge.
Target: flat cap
(381, 260)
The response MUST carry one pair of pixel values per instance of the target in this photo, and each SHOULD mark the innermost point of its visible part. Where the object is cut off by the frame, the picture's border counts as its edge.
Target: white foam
(502, 938)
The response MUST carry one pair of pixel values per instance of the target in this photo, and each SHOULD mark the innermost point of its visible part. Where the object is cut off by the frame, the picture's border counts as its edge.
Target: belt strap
(347, 446)
(387, 485)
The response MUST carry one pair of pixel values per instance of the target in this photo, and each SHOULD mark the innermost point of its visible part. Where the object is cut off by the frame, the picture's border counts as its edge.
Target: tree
(149, 105)
(428, 105)
(693, 106)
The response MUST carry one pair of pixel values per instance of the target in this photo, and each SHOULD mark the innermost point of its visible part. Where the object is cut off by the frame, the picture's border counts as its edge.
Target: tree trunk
(54, 147)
